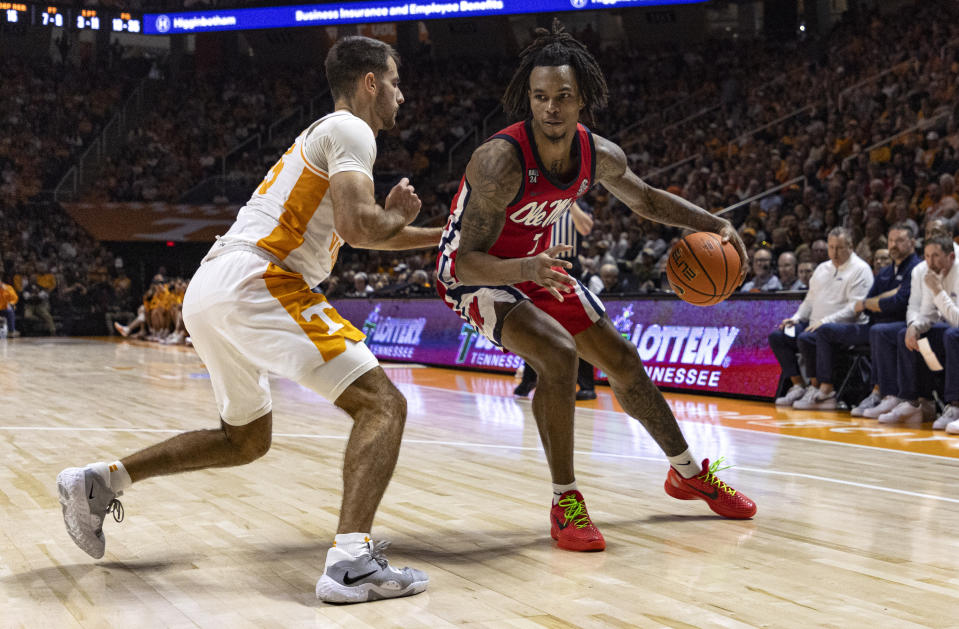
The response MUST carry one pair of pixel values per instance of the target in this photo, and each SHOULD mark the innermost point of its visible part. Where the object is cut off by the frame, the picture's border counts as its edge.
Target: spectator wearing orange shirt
(175, 306)
(157, 302)
(9, 299)
(45, 279)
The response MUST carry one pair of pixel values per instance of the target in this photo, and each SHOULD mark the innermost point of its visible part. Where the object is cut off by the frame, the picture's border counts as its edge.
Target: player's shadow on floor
(75, 573)
(674, 517)
(457, 547)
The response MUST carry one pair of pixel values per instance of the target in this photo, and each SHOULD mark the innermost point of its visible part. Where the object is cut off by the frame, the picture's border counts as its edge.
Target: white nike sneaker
(953, 427)
(369, 577)
(795, 392)
(906, 412)
(818, 401)
(86, 500)
(948, 416)
(888, 403)
(871, 401)
(809, 394)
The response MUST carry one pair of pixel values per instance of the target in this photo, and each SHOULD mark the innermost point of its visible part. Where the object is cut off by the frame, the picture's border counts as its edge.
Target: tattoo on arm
(494, 176)
(612, 170)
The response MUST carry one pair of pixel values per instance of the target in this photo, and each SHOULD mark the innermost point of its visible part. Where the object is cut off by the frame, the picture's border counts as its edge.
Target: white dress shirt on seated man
(834, 290)
(928, 306)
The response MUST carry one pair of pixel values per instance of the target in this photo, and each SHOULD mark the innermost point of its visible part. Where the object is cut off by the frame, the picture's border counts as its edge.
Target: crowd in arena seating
(59, 280)
(194, 122)
(50, 113)
(826, 148)
(740, 86)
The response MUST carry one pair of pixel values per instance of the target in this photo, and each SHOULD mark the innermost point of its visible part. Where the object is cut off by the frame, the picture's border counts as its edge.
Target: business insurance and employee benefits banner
(722, 348)
(367, 12)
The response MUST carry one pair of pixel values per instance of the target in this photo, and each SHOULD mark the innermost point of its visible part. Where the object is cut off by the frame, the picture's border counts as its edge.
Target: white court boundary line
(468, 444)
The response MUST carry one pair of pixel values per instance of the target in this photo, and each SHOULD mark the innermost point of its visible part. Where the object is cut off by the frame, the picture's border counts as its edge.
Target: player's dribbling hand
(539, 269)
(403, 199)
(729, 234)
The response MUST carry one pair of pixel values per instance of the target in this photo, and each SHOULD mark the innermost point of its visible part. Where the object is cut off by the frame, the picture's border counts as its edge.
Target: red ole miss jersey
(540, 202)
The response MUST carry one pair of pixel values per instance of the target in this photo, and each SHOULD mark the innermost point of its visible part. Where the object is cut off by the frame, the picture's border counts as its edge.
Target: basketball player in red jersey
(497, 271)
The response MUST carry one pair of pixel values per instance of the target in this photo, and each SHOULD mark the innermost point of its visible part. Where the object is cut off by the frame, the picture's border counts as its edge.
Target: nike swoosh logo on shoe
(560, 524)
(711, 495)
(348, 580)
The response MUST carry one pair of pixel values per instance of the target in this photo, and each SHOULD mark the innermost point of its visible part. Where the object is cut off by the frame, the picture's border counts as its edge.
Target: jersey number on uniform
(271, 176)
(535, 243)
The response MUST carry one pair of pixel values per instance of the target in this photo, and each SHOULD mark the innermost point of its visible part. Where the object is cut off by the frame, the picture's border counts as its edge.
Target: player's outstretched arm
(358, 218)
(612, 170)
(411, 238)
(495, 175)
(408, 237)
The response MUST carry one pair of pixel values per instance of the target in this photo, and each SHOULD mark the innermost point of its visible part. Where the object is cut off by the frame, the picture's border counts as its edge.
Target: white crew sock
(113, 474)
(354, 544)
(119, 477)
(685, 464)
(559, 490)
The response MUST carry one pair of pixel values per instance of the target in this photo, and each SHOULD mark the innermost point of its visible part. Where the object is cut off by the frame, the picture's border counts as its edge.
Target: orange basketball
(702, 270)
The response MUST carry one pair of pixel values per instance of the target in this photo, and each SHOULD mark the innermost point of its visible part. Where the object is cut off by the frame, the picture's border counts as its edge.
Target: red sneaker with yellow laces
(571, 526)
(720, 497)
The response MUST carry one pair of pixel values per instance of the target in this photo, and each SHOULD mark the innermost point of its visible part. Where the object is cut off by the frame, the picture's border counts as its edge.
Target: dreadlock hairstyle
(556, 47)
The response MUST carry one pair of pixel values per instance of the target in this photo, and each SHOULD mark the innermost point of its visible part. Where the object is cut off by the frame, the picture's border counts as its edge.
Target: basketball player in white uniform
(250, 311)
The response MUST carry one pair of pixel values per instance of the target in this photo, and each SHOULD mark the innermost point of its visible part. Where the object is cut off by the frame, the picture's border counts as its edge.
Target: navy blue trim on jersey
(455, 227)
(457, 294)
(498, 328)
(522, 163)
(592, 162)
(576, 153)
(598, 307)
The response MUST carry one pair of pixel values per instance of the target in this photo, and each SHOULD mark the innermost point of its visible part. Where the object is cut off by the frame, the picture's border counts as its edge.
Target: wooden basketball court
(858, 524)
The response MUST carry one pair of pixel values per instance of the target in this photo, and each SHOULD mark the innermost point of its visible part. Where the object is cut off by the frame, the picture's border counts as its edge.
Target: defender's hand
(402, 199)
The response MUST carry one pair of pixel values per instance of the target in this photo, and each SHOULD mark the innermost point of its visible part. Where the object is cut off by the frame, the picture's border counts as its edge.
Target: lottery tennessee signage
(722, 348)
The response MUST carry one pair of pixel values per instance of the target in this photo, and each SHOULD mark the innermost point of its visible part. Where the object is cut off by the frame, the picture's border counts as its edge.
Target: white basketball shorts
(247, 317)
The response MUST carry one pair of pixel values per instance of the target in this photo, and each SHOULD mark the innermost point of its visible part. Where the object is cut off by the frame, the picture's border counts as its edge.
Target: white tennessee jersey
(290, 215)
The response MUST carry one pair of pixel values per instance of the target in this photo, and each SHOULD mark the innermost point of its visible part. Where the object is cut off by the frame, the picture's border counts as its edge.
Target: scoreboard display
(73, 18)
(289, 16)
